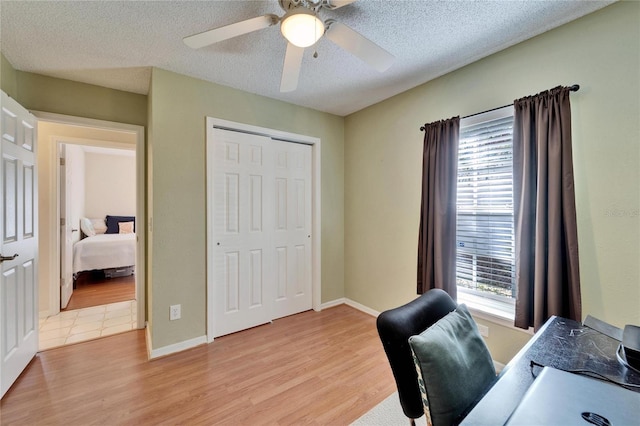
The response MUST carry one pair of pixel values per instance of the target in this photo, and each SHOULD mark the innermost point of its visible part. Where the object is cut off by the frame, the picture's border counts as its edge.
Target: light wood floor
(321, 368)
(93, 289)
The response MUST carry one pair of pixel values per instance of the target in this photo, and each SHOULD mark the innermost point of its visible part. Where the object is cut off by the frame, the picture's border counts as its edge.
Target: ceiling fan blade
(229, 31)
(291, 69)
(358, 45)
(336, 4)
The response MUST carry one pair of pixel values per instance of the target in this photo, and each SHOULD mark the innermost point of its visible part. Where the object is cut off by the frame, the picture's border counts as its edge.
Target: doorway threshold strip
(86, 324)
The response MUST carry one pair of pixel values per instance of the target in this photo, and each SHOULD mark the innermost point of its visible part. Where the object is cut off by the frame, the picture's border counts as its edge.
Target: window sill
(494, 311)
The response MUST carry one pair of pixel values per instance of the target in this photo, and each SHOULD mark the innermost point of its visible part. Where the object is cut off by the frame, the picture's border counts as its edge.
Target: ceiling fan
(302, 27)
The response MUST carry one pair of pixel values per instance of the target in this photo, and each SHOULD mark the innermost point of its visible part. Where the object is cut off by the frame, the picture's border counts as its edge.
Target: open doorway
(92, 200)
(97, 200)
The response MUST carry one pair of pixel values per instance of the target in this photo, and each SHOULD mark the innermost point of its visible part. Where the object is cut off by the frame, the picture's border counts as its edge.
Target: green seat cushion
(454, 366)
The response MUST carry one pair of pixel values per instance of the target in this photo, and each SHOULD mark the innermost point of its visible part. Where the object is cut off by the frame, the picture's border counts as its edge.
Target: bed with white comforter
(104, 251)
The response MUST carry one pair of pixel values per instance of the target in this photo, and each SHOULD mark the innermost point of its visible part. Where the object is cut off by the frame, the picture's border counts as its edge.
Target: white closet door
(242, 255)
(292, 228)
(18, 241)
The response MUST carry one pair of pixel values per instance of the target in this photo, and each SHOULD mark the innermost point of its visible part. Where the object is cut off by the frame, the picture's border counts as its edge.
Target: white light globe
(301, 27)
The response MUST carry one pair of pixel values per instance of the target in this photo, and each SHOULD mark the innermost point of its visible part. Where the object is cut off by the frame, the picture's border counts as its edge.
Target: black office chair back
(395, 326)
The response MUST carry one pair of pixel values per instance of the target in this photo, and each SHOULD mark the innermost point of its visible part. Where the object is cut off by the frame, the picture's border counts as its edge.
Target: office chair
(440, 362)
(395, 326)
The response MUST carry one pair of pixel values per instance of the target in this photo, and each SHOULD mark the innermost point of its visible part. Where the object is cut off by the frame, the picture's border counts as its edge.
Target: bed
(104, 251)
(107, 244)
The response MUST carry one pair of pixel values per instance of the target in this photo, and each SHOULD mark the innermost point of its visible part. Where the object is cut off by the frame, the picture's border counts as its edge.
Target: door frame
(316, 240)
(54, 191)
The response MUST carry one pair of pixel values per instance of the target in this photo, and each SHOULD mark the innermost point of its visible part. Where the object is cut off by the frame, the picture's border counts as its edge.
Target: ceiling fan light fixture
(301, 27)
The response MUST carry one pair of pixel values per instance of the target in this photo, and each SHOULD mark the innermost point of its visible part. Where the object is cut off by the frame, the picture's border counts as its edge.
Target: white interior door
(66, 227)
(242, 259)
(18, 241)
(292, 228)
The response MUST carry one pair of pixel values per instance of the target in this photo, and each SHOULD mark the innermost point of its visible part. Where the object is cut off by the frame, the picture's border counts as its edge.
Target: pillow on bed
(99, 226)
(126, 227)
(113, 221)
(87, 227)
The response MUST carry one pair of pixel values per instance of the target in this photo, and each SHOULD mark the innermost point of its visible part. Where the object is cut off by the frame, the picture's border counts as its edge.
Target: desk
(560, 343)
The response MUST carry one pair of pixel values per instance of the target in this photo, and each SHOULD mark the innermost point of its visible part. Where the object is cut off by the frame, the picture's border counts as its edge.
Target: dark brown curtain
(437, 237)
(546, 236)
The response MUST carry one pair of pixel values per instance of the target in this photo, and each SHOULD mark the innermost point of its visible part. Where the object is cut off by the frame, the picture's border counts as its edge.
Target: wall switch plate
(174, 312)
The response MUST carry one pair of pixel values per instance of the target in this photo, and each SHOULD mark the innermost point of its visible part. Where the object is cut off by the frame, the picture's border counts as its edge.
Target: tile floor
(88, 323)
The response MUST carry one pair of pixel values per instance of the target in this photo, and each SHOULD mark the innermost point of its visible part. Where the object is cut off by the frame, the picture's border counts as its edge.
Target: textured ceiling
(114, 43)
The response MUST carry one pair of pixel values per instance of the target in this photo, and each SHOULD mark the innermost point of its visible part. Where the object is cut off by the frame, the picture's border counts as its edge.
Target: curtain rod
(573, 88)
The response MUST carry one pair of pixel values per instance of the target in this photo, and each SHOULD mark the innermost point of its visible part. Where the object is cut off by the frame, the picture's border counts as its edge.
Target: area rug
(387, 413)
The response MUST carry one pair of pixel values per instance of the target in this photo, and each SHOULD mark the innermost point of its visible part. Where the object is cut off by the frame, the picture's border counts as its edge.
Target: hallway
(87, 324)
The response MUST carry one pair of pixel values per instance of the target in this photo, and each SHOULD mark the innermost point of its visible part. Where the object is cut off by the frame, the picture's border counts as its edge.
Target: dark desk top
(561, 343)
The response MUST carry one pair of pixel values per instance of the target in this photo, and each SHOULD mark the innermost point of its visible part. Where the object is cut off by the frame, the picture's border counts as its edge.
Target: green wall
(41, 93)
(49, 94)
(178, 108)
(601, 52)
(8, 78)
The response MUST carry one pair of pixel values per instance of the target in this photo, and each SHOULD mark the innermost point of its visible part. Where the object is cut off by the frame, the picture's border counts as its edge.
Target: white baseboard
(333, 303)
(176, 347)
(362, 308)
(349, 302)
(147, 335)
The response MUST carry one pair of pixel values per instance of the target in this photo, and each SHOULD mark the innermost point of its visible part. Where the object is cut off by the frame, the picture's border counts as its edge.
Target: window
(485, 260)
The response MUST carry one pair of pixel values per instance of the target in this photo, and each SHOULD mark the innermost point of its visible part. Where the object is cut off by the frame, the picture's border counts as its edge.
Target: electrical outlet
(484, 330)
(174, 312)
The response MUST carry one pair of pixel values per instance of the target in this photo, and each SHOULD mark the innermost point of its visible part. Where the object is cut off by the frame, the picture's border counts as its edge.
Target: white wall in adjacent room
(110, 184)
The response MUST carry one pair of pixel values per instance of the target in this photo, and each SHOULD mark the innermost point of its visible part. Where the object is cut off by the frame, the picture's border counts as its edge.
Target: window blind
(485, 237)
